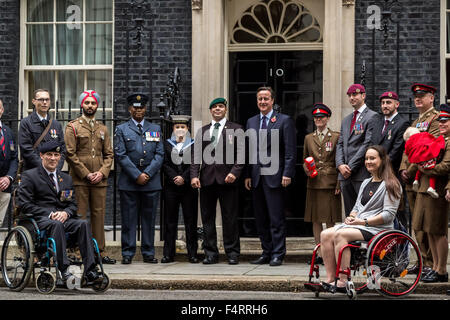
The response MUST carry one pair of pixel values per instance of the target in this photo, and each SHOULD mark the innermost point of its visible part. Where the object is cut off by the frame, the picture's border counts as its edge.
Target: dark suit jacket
(8, 163)
(392, 139)
(210, 173)
(287, 149)
(171, 169)
(37, 196)
(30, 130)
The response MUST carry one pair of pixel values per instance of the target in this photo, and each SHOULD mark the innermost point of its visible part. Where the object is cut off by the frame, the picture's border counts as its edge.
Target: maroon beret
(356, 88)
(389, 95)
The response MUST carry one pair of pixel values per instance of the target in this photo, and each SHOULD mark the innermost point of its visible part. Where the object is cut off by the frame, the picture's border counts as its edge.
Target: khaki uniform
(426, 122)
(89, 150)
(322, 205)
(431, 215)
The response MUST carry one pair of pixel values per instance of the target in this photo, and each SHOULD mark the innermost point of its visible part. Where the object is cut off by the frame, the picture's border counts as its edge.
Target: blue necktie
(264, 123)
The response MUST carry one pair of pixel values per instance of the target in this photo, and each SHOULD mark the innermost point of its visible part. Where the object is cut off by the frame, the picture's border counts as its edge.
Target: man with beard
(90, 156)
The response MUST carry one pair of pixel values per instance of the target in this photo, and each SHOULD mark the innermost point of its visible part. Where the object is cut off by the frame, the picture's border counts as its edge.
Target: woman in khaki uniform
(431, 215)
(323, 201)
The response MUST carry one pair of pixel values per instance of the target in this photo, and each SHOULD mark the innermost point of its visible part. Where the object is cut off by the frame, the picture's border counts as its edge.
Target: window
(445, 50)
(68, 48)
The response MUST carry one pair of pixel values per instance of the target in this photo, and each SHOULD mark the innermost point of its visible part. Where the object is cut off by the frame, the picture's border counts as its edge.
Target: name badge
(66, 195)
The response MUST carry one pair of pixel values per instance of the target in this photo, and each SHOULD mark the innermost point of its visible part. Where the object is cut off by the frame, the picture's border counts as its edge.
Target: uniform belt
(142, 163)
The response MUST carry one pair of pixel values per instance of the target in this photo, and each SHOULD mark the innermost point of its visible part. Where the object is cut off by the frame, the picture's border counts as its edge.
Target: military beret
(180, 118)
(50, 146)
(422, 88)
(444, 114)
(389, 95)
(89, 93)
(321, 109)
(218, 100)
(137, 100)
(356, 88)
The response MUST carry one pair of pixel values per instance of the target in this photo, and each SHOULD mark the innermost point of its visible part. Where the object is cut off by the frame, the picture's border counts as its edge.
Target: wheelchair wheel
(102, 285)
(17, 258)
(390, 258)
(45, 282)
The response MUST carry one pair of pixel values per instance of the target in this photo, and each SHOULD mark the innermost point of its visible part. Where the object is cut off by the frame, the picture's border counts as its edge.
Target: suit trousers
(350, 190)
(270, 219)
(187, 197)
(228, 199)
(143, 204)
(4, 203)
(77, 230)
(94, 199)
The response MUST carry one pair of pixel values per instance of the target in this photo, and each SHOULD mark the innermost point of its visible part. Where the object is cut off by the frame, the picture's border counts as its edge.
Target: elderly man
(8, 165)
(47, 193)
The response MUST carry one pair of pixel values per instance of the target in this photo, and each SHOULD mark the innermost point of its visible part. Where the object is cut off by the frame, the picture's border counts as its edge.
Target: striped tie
(2, 142)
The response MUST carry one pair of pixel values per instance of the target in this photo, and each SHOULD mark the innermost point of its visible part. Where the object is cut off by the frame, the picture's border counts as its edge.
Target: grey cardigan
(379, 203)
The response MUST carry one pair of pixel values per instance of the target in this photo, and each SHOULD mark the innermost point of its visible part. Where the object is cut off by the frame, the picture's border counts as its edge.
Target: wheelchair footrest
(315, 287)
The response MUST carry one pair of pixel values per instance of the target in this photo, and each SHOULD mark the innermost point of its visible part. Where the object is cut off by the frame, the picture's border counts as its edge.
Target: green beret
(218, 100)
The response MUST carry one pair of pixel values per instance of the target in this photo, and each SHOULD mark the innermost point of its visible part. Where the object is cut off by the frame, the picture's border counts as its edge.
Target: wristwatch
(366, 222)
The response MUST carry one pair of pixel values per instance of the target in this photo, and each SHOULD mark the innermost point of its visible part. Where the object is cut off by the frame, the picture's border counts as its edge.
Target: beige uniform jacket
(324, 155)
(425, 122)
(88, 150)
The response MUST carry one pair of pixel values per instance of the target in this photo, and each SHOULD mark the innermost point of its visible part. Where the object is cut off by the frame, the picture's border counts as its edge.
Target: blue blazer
(136, 154)
(287, 149)
(8, 162)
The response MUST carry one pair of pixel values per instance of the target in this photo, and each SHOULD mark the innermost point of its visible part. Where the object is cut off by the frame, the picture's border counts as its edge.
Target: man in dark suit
(388, 128)
(217, 177)
(356, 136)
(266, 179)
(139, 151)
(8, 165)
(32, 127)
(48, 194)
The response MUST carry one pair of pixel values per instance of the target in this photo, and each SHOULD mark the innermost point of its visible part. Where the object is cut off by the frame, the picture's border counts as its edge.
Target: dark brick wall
(9, 55)
(168, 42)
(419, 49)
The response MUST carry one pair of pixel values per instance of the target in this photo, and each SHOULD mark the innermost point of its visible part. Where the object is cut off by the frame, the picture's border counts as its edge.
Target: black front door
(296, 77)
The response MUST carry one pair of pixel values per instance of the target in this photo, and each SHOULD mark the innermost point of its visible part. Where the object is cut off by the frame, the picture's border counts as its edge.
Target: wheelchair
(26, 248)
(390, 263)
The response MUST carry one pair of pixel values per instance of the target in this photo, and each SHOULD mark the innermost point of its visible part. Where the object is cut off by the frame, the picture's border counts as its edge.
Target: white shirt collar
(362, 108)
(268, 115)
(222, 122)
(136, 123)
(324, 131)
(48, 172)
(391, 117)
(42, 118)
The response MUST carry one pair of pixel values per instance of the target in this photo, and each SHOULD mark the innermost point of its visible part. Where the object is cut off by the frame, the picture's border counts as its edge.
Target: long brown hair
(386, 173)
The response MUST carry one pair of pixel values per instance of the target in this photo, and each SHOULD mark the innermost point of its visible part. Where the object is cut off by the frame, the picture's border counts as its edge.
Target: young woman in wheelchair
(374, 211)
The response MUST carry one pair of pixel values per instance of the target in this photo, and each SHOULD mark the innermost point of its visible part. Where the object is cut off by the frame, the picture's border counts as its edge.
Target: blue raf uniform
(138, 151)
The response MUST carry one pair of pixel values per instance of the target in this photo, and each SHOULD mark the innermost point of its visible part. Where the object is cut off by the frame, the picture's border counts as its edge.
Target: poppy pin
(273, 119)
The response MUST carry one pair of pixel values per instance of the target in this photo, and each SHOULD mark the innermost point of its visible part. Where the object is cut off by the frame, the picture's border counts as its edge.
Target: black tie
(140, 128)
(44, 123)
(53, 180)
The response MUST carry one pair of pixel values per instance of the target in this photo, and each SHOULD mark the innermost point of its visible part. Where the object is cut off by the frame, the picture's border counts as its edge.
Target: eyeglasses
(43, 100)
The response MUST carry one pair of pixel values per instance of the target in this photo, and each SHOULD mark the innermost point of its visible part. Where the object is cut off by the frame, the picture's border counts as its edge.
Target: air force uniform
(138, 151)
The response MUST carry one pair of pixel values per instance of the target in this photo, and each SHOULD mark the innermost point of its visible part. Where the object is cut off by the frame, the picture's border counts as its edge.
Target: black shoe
(66, 274)
(92, 275)
(426, 274)
(210, 260)
(275, 262)
(435, 277)
(261, 260)
(167, 259)
(108, 260)
(126, 260)
(233, 260)
(150, 259)
(318, 260)
(193, 259)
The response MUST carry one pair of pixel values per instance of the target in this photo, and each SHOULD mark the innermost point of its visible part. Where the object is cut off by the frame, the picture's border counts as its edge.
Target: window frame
(25, 69)
(445, 56)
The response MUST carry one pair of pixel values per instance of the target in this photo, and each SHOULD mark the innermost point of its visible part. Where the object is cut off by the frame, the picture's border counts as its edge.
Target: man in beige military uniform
(90, 156)
(427, 121)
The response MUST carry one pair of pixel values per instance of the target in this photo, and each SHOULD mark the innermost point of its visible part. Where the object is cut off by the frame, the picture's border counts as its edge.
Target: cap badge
(390, 95)
(358, 90)
(138, 98)
(58, 149)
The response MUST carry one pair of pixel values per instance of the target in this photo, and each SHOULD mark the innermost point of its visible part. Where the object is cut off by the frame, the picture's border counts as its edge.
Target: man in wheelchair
(48, 195)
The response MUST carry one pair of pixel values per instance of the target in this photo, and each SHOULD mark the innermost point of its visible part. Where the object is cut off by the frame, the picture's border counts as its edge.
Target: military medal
(102, 135)
(389, 134)
(152, 136)
(328, 146)
(370, 193)
(66, 195)
(11, 145)
(53, 133)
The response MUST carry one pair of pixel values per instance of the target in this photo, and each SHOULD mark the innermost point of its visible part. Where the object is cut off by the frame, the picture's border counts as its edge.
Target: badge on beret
(358, 91)
(390, 95)
(58, 149)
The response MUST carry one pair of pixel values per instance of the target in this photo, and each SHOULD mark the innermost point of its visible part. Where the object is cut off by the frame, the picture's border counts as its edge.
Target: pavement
(182, 275)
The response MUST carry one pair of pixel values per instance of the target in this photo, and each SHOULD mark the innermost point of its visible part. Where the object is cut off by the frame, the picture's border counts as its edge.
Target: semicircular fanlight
(276, 21)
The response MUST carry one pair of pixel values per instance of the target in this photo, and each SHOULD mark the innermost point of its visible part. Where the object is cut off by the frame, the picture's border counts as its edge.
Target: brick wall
(9, 55)
(419, 49)
(168, 43)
